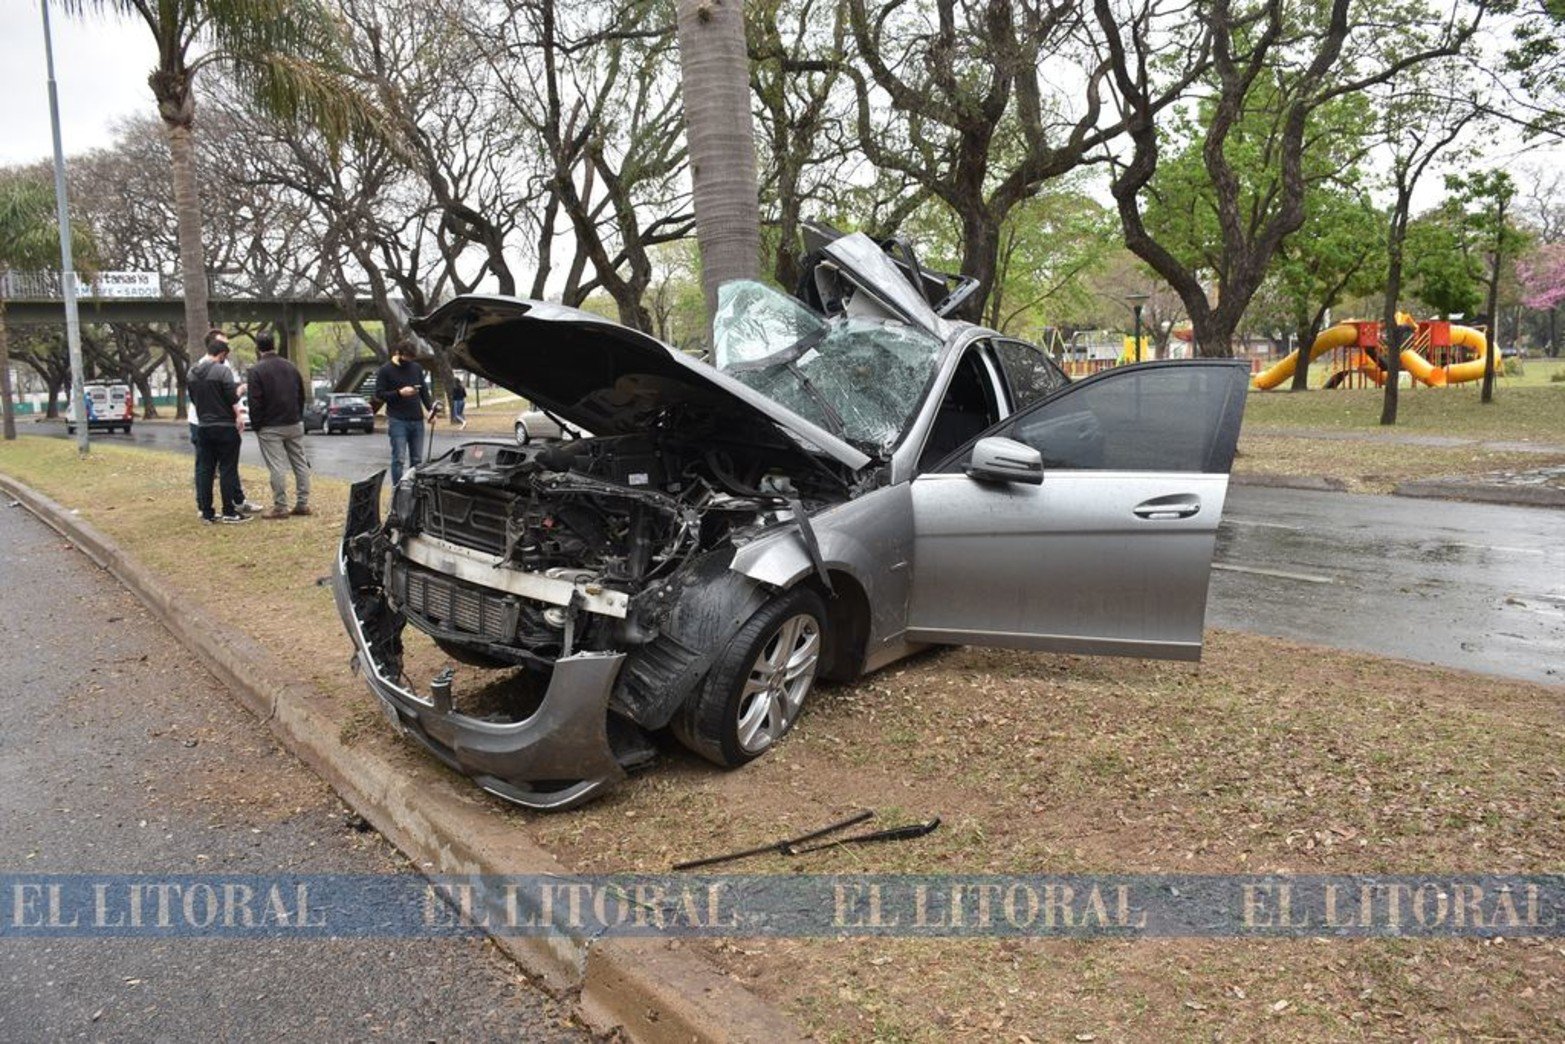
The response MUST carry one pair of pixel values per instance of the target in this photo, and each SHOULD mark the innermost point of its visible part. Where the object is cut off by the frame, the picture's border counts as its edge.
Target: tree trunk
(143, 382)
(632, 312)
(7, 416)
(54, 384)
(1494, 304)
(1212, 329)
(1304, 340)
(1393, 332)
(192, 260)
(980, 257)
(715, 79)
(177, 370)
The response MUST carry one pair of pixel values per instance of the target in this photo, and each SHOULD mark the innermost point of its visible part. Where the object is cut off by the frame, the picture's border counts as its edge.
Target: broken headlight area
(591, 576)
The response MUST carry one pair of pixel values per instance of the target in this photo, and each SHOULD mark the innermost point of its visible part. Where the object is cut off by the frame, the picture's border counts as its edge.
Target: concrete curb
(1517, 496)
(1428, 489)
(641, 987)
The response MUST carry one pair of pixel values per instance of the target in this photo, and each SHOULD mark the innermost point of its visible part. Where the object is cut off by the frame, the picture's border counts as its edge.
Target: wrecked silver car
(855, 477)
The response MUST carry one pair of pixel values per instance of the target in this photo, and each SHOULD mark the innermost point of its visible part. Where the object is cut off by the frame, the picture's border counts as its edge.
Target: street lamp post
(1136, 302)
(73, 339)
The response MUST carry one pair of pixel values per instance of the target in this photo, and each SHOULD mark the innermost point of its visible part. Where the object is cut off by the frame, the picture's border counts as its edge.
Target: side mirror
(997, 459)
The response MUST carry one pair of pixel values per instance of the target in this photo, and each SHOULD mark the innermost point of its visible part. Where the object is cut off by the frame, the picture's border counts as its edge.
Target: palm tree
(715, 79)
(278, 50)
(29, 239)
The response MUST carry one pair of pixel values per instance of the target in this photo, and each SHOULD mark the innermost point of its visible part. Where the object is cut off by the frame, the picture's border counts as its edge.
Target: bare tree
(1267, 58)
(1426, 123)
(964, 100)
(593, 86)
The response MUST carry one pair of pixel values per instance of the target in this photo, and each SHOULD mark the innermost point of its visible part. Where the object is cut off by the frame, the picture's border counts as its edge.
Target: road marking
(1267, 525)
(1303, 578)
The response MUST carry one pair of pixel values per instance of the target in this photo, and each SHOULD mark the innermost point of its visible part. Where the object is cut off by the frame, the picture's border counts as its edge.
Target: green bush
(1557, 377)
(1513, 367)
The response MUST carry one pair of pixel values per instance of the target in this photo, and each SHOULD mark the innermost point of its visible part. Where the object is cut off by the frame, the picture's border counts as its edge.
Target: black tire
(712, 721)
(521, 434)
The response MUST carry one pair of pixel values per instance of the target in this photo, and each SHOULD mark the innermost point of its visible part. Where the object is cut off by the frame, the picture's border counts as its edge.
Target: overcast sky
(101, 64)
(102, 61)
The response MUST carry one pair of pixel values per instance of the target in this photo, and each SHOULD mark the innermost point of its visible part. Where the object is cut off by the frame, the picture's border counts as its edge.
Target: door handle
(1179, 505)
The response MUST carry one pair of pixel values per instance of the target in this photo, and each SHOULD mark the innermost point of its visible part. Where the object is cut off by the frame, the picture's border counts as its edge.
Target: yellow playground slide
(1340, 336)
(1345, 334)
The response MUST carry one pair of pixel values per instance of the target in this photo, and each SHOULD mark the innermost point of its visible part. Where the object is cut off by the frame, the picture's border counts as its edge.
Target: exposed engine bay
(522, 555)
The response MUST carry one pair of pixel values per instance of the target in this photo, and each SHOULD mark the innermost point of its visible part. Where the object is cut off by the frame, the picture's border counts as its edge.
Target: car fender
(869, 539)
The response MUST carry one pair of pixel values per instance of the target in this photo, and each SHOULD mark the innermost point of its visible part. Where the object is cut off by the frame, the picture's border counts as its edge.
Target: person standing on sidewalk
(277, 396)
(214, 395)
(458, 402)
(400, 385)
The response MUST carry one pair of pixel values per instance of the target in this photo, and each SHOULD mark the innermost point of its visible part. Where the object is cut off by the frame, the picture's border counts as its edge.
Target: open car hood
(603, 377)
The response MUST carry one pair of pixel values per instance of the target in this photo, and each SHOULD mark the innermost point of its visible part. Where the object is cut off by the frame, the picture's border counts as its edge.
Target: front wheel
(521, 433)
(754, 693)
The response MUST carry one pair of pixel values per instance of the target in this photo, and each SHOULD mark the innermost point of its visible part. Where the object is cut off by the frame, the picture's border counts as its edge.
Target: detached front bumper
(556, 758)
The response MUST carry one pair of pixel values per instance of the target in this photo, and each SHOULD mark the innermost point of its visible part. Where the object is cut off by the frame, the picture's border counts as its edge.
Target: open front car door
(1085, 523)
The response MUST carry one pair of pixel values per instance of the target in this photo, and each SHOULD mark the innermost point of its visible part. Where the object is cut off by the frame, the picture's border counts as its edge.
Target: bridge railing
(46, 285)
(30, 286)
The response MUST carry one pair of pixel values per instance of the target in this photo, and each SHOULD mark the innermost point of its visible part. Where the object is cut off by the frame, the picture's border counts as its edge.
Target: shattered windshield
(858, 378)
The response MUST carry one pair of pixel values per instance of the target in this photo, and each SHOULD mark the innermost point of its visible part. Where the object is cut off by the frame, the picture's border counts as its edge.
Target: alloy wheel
(779, 680)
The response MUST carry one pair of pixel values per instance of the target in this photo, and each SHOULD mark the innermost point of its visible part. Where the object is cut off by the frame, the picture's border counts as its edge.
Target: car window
(859, 378)
(969, 406)
(1166, 417)
(1030, 375)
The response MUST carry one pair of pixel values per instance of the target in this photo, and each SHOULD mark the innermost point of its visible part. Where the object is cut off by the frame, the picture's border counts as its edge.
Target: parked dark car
(857, 476)
(339, 411)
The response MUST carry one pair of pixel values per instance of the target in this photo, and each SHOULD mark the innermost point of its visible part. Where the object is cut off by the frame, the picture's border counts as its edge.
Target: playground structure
(1438, 353)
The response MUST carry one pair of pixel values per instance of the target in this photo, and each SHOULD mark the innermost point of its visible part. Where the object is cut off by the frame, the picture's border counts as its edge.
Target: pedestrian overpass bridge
(36, 299)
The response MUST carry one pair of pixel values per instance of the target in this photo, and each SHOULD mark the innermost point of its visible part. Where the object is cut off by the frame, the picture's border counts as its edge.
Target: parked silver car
(537, 425)
(853, 478)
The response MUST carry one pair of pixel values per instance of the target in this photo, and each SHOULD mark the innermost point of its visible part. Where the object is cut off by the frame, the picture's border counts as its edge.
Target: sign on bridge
(125, 284)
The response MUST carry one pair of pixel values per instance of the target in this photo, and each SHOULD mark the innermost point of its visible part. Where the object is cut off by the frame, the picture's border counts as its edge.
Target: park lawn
(1268, 756)
(1520, 412)
(1537, 373)
(1370, 465)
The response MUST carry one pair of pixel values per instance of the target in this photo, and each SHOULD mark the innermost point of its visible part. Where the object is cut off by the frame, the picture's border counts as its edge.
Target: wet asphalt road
(1475, 586)
(119, 754)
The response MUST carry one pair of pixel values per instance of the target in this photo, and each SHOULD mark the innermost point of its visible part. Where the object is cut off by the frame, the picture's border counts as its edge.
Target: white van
(109, 404)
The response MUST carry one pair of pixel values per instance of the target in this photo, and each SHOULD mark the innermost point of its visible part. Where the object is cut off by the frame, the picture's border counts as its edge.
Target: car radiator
(452, 605)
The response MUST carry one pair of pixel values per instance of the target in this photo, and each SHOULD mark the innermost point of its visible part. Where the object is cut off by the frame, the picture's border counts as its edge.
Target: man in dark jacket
(277, 396)
(400, 385)
(214, 395)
